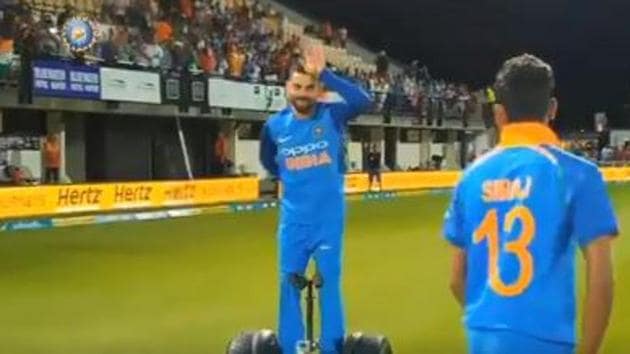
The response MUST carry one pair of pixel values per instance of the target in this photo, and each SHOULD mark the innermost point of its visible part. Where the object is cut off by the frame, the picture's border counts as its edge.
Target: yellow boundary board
(19, 202)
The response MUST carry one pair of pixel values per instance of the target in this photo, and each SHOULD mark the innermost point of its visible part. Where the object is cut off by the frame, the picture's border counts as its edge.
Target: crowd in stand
(416, 91)
(237, 39)
(336, 37)
(607, 154)
(233, 39)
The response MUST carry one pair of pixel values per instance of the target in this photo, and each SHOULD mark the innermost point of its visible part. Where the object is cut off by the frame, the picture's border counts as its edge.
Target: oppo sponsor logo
(305, 149)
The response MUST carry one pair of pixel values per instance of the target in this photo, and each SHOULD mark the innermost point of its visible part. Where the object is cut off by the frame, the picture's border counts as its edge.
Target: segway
(266, 342)
(259, 342)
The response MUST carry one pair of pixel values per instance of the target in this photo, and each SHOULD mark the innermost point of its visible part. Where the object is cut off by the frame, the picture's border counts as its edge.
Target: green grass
(186, 286)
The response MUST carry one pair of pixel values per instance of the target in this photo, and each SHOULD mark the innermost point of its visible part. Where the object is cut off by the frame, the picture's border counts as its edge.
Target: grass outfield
(185, 286)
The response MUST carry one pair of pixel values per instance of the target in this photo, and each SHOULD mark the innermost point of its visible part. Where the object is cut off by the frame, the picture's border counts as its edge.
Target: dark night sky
(587, 42)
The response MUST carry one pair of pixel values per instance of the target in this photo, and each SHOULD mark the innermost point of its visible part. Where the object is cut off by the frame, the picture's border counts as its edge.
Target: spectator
(221, 154)
(450, 97)
(151, 54)
(381, 89)
(382, 64)
(488, 116)
(236, 61)
(437, 161)
(396, 96)
(409, 85)
(423, 74)
(439, 101)
(123, 49)
(464, 104)
(343, 37)
(607, 154)
(163, 31)
(51, 151)
(258, 9)
(25, 46)
(107, 10)
(413, 70)
(17, 175)
(418, 101)
(119, 11)
(186, 7)
(167, 60)
(152, 11)
(48, 44)
(253, 70)
(223, 67)
(6, 48)
(282, 64)
(108, 50)
(206, 58)
(371, 81)
(64, 16)
(137, 15)
(327, 32)
(183, 57)
(374, 167)
(5, 4)
(625, 155)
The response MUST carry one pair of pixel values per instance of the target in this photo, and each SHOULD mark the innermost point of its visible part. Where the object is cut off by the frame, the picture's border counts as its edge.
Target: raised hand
(314, 60)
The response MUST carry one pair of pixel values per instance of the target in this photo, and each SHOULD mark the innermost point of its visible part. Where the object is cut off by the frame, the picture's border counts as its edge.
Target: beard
(303, 105)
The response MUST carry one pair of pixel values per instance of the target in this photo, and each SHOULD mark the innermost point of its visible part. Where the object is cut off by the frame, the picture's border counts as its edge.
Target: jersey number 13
(489, 230)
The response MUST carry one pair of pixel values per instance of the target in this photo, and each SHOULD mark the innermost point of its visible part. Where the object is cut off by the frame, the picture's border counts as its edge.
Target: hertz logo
(68, 197)
(124, 194)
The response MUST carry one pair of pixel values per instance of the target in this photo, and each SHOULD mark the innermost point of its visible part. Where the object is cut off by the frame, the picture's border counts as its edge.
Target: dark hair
(524, 86)
(300, 69)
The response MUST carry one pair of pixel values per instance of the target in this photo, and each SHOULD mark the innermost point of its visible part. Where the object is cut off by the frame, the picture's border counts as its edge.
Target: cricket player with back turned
(303, 146)
(516, 219)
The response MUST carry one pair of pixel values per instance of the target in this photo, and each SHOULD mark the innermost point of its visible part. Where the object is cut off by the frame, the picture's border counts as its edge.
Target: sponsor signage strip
(65, 79)
(401, 181)
(18, 202)
(130, 86)
(21, 202)
(241, 95)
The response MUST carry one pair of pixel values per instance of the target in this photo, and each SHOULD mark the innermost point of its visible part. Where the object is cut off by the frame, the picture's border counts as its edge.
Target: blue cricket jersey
(520, 213)
(308, 155)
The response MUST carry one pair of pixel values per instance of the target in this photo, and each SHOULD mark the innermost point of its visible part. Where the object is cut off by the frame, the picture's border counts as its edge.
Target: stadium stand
(418, 121)
(249, 41)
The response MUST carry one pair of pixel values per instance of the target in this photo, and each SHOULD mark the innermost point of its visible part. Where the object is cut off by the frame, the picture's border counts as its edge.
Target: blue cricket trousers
(297, 244)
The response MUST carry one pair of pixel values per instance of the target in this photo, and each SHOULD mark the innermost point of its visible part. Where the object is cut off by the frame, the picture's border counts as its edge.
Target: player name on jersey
(308, 161)
(506, 190)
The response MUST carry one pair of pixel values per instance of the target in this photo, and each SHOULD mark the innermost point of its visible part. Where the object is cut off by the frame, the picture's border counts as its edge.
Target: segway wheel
(359, 343)
(259, 342)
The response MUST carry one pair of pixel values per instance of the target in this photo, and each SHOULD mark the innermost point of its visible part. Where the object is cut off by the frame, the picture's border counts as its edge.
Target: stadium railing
(271, 96)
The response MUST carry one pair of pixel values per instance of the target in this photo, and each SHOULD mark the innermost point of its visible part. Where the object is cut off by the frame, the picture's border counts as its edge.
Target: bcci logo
(319, 132)
(79, 34)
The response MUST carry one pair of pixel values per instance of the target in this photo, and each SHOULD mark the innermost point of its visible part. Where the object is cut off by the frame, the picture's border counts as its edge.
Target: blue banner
(66, 79)
(38, 224)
